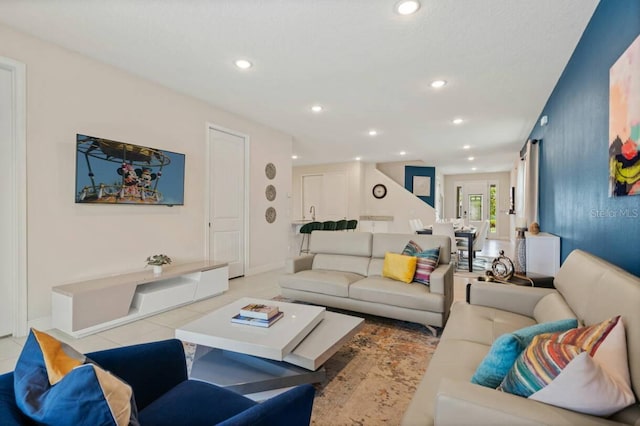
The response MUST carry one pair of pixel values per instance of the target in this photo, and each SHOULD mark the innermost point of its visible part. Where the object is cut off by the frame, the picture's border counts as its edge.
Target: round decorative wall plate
(270, 192)
(270, 170)
(379, 191)
(270, 215)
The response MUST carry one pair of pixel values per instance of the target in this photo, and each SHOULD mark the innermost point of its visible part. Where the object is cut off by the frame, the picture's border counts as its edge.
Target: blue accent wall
(574, 187)
(411, 171)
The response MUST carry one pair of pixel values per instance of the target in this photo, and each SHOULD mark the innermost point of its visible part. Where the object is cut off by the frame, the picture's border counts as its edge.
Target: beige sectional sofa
(587, 288)
(345, 271)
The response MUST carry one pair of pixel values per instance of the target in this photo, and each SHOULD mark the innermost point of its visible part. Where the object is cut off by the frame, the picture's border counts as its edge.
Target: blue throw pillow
(55, 384)
(506, 349)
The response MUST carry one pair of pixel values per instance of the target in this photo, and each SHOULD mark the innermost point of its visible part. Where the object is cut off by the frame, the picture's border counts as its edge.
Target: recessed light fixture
(403, 153)
(294, 157)
(471, 158)
(316, 108)
(437, 84)
(358, 158)
(373, 132)
(457, 120)
(474, 168)
(243, 64)
(407, 7)
(466, 147)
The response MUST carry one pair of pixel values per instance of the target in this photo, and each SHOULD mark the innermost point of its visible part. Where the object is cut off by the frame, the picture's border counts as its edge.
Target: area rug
(372, 378)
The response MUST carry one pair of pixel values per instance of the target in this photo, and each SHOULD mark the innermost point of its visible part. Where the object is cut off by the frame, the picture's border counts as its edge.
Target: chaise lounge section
(587, 288)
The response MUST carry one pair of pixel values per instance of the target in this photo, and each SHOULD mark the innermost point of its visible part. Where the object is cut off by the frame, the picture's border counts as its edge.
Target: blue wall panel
(574, 188)
(411, 171)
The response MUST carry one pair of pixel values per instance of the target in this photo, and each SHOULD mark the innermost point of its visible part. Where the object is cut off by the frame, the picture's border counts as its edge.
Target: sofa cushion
(583, 369)
(340, 262)
(332, 283)
(482, 324)
(344, 243)
(55, 384)
(506, 349)
(390, 292)
(399, 267)
(196, 403)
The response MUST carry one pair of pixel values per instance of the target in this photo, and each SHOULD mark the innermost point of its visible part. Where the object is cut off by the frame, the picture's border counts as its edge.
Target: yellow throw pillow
(399, 267)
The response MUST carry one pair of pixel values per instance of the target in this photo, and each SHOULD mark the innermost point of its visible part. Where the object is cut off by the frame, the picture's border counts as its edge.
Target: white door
(334, 202)
(6, 220)
(227, 200)
(312, 193)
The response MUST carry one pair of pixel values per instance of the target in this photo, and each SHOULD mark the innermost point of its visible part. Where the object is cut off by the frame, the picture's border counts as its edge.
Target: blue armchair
(164, 396)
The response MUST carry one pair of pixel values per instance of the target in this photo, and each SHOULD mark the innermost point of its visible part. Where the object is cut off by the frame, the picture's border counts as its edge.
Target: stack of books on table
(258, 315)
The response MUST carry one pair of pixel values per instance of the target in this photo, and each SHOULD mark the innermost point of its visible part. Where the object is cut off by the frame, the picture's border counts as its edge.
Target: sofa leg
(432, 330)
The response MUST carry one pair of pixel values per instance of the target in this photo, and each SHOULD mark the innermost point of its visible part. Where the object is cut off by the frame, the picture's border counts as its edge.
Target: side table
(529, 280)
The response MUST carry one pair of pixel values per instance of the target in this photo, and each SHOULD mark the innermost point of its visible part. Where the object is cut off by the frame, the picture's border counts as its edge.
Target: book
(257, 322)
(260, 311)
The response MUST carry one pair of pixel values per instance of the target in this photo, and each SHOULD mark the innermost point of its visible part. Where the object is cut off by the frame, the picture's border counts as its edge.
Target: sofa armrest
(298, 263)
(464, 403)
(151, 369)
(441, 279)
(511, 298)
(10, 414)
(290, 408)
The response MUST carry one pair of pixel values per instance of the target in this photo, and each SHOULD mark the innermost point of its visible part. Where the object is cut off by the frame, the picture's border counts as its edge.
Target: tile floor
(162, 326)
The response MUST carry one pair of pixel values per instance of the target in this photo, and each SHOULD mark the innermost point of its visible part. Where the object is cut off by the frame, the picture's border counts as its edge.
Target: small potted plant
(157, 260)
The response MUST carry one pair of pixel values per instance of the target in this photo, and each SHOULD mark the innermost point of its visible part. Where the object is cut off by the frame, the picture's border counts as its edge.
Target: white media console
(86, 307)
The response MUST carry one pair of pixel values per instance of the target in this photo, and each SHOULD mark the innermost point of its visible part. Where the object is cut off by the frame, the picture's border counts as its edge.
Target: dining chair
(446, 229)
(481, 237)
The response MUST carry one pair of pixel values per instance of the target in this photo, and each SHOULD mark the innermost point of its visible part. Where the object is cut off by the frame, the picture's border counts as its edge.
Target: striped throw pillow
(427, 262)
(584, 369)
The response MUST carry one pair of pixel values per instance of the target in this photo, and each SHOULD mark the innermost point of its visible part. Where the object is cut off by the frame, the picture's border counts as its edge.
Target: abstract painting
(624, 123)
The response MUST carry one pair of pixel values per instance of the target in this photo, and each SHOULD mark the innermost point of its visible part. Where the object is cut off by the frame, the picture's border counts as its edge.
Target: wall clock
(379, 191)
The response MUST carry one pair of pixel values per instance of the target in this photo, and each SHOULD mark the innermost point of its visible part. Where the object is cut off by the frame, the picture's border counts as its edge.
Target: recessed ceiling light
(407, 7)
(373, 132)
(471, 158)
(316, 108)
(436, 84)
(466, 147)
(358, 158)
(294, 157)
(457, 121)
(243, 64)
(474, 168)
(403, 153)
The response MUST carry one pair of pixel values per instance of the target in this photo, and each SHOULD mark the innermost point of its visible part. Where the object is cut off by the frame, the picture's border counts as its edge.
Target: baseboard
(264, 268)
(42, 323)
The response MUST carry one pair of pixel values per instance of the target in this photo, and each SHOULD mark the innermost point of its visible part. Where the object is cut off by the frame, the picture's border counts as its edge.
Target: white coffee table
(253, 360)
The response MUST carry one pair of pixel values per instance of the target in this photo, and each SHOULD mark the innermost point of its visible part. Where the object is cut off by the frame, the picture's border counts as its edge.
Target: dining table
(468, 232)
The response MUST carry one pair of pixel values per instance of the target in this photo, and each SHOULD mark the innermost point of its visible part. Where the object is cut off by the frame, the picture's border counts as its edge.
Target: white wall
(67, 94)
(504, 185)
(395, 169)
(353, 171)
(399, 203)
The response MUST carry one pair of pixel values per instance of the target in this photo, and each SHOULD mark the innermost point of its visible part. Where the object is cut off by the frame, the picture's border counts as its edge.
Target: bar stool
(306, 230)
(341, 225)
(352, 225)
(329, 225)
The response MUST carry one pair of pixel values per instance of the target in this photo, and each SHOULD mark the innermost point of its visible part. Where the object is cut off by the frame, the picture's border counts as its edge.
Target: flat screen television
(111, 172)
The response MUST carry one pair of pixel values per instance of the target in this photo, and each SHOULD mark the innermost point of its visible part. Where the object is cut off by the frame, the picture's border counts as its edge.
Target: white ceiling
(368, 66)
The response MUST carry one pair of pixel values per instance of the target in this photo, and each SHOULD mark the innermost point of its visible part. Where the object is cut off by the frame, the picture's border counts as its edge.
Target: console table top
(135, 278)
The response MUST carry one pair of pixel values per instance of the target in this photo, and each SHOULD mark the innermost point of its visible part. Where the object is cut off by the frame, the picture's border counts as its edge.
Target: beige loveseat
(587, 288)
(345, 271)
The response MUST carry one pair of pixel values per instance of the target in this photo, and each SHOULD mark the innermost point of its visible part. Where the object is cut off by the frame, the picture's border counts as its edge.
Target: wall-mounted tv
(111, 172)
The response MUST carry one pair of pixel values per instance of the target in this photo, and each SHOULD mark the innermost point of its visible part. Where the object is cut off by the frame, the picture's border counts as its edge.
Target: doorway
(228, 155)
(476, 202)
(13, 210)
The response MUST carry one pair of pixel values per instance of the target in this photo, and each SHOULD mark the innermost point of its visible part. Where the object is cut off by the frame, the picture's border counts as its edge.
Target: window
(458, 202)
(475, 206)
(492, 207)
